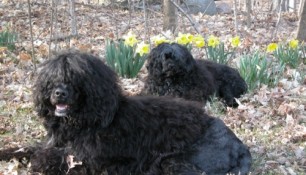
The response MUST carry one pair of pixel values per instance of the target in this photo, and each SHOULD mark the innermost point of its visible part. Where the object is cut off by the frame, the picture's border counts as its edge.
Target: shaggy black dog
(83, 107)
(173, 71)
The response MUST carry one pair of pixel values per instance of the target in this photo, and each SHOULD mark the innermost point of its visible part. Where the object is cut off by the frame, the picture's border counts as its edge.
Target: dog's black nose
(61, 93)
(167, 55)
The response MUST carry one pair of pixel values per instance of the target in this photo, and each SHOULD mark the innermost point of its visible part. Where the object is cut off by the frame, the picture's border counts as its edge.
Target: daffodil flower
(130, 39)
(142, 48)
(198, 41)
(213, 41)
(293, 43)
(189, 37)
(158, 39)
(272, 47)
(182, 39)
(235, 41)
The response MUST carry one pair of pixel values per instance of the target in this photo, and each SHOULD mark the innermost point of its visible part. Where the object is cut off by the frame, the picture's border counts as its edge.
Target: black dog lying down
(173, 71)
(84, 109)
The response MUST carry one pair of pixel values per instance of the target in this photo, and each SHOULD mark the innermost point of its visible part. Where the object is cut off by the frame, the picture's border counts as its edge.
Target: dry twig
(277, 23)
(194, 24)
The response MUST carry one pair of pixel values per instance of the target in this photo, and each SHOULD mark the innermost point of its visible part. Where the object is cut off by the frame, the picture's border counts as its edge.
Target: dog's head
(76, 85)
(170, 60)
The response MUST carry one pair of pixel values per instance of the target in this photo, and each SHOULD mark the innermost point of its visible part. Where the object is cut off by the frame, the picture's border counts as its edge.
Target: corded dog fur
(173, 71)
(83, 108)
(45, 160)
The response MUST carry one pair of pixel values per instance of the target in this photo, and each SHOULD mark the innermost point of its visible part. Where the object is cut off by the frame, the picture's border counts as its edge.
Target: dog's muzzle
(59, 99)
(61, 110)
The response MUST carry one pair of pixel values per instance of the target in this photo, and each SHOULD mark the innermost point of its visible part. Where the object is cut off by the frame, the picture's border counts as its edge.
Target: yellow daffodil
(272, 47)
(198, 41)
(142, 48)
(293, 43)
(182, 39)
(130, 39)
(235, 42)
(189, 37)
(213, 41)
(158, 39)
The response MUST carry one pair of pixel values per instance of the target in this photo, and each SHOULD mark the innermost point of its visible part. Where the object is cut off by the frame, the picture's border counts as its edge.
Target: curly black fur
(49, 161)
(229, 83)
(173, 71)
(83, 108)
(54, 161)
(21, 154)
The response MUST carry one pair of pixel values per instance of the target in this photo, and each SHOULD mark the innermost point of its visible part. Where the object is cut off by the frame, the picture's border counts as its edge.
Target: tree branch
(194, 24)
(277, 23)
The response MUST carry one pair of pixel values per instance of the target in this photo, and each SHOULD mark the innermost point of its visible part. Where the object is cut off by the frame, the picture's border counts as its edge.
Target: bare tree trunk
(249, 11)
(235, 16)
(31, 32)
(245, 5)
(283, 4)
(73, 24)
(301, 34)
(278, 20)
(170, 16)
(145, 19)
(239, 5)
(55, 2)
(51, 27)
(301, 7)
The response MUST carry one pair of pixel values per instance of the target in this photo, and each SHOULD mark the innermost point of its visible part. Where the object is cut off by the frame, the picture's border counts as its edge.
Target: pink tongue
(61, 107)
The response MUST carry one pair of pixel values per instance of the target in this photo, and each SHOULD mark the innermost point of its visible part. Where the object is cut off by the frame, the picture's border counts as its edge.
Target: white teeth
(61, 110)
(61, 107)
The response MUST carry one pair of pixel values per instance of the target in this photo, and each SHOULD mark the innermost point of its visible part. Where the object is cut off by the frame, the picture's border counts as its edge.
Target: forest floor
(271, 121)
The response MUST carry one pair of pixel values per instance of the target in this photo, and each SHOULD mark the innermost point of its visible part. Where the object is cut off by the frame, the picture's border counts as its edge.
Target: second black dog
(173, 71)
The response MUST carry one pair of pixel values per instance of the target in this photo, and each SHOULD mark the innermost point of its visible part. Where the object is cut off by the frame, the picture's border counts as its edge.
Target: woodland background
(270, 120)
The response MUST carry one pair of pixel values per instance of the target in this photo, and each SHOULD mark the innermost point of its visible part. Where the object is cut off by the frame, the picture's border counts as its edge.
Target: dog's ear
(190, 63)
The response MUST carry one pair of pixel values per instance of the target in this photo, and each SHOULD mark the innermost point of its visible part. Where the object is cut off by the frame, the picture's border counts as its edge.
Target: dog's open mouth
(61, 110)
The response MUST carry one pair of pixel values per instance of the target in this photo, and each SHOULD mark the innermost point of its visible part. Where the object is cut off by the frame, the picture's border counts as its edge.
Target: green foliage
(123, 59)
(218, 53)
(8, 39)
(189, 47)
(276, 72)
(256, 70)
(288, 56)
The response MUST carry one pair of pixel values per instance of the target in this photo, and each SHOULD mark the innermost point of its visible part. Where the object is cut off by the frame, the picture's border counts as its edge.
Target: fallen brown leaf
(24, 56)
